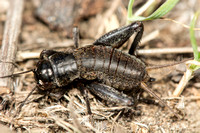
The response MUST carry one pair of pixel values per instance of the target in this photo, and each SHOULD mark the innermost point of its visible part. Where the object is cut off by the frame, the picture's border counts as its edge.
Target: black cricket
(100, 68)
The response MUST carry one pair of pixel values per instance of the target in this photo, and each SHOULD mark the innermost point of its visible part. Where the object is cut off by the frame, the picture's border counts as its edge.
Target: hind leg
(76, 37)
(110, 94)
(116, 38)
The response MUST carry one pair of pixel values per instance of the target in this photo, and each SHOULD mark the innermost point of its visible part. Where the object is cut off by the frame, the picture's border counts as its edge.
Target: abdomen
(110, 66)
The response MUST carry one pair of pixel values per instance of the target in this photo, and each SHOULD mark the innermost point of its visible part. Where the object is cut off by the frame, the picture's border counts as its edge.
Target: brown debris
(63, 14)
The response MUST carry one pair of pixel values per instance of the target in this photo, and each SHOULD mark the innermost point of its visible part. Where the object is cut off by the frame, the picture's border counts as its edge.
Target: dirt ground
(43, 113)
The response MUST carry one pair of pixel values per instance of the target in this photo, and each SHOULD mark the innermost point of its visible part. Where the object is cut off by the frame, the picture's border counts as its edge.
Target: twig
(9, 43)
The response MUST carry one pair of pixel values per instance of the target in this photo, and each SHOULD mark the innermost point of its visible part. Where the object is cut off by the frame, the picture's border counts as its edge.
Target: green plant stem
(192, 37)
(130, 6)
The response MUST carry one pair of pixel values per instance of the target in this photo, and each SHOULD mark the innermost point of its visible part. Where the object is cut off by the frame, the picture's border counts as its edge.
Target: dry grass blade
(74, 116)
(177, 22)
(186, 77)
(67, 126)
(9, 43)
(114, 120)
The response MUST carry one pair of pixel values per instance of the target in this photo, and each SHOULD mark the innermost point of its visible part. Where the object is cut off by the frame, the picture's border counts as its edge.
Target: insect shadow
(100, 68)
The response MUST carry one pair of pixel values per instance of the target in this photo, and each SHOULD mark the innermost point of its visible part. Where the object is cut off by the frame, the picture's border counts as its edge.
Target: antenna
(16, 74)
(167, 65)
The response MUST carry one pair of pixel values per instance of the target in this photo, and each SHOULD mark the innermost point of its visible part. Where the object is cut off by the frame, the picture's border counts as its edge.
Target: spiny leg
(110, 94)
(76, 36)
(84, 92)
(136, 40)
(23, 102)
(116, 38)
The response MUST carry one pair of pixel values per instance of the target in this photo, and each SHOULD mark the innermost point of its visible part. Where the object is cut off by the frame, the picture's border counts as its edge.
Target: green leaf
(194, 42)
(192, 37)
(130, 5)
(161, 11)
